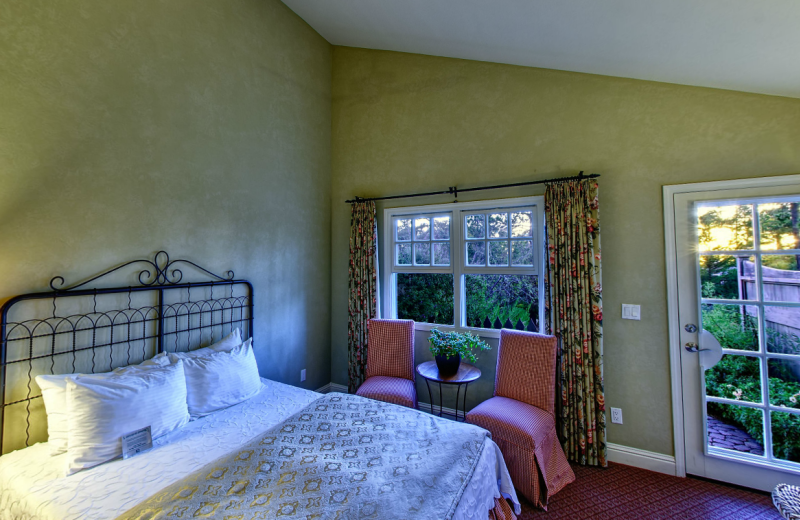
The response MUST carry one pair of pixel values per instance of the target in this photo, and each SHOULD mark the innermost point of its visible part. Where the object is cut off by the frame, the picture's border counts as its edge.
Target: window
(472, 265)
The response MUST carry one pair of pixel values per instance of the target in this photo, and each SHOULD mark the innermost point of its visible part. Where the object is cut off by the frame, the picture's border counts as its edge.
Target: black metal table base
(458, 393)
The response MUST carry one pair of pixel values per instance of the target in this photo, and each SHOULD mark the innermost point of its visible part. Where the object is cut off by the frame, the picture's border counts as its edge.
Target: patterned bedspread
(341, 457)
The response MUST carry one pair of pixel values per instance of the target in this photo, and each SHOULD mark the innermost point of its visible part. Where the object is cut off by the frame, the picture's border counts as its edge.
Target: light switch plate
(631, 312)
(303, 375)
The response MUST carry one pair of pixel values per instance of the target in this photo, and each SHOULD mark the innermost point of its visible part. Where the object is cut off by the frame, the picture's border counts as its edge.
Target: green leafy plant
(449, 344)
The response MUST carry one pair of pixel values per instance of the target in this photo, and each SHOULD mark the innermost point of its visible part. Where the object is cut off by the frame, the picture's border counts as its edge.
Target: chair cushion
(396, 390)
(514, 421)
(526, 368)
(527, 438)
(390, 348)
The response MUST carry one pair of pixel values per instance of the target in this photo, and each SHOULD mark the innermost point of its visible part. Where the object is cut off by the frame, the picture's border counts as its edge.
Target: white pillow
(54, 394)
(103, 409)
(226, 344)
(220, 379)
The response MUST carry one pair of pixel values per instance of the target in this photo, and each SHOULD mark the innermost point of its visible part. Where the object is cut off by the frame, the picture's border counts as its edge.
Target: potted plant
(448, 348)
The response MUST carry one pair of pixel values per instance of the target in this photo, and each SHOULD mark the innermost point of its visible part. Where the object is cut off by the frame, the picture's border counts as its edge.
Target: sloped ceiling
(746, 45)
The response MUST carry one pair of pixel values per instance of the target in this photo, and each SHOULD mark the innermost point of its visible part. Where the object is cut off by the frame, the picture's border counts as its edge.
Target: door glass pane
(475, 226)
(776, 225)
(785, 436)
(441, 253)
(403, 227)
(734, 326)
(495, 301)
(726, 277)
(498, 225)
(441, 228)
(521, 224)
(522, 252)
(783, 329)
(735, 377)
(781, 278)
(403, 254)
(476, 253)
(498, 253)
(736, 428)
(422, 254)
(422, 229)
(425, 298)
(784, 383)
(725, 228)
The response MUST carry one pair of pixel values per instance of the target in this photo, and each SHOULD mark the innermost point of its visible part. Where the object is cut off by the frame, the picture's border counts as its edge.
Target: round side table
(466, 374)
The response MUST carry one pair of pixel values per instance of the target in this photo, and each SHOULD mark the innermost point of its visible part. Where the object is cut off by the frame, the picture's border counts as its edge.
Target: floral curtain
(573, 296)
(362, 302)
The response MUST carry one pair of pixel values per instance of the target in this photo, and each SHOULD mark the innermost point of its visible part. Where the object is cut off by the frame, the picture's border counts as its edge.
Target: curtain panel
(363, 284)
(574, 308)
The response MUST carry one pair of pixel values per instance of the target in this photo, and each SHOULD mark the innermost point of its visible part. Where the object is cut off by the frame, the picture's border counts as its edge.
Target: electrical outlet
(302, 375)
(616, 415)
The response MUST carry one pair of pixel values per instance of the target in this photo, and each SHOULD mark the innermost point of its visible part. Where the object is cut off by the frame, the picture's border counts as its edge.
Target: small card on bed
(136, 442)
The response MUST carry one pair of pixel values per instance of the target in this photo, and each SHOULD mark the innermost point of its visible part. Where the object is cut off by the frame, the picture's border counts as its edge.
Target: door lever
(692, 347)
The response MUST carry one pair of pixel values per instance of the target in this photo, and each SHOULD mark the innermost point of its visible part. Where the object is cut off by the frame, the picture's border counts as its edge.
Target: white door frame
(674, 325)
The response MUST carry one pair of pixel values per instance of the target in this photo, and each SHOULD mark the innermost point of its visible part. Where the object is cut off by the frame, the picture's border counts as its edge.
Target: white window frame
(457, 252)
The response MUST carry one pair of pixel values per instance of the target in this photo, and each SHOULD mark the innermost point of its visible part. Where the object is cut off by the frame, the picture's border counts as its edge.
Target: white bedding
(33, 485)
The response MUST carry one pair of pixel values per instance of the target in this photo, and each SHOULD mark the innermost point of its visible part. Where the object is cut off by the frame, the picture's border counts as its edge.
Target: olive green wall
(201, 128)
(406, 123)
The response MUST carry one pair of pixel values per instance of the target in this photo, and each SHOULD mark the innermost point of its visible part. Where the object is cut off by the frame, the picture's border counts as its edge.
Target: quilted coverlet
(341, 457)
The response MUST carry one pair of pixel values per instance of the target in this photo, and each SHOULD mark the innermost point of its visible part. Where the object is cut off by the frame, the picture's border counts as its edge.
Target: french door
(737, 261)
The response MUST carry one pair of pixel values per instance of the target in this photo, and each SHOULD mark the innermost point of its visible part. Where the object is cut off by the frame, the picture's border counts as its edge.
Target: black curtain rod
(453, 190)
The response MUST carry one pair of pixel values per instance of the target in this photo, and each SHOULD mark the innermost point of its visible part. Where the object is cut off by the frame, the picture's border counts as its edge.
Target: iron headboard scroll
(161, 265)
(82, 328)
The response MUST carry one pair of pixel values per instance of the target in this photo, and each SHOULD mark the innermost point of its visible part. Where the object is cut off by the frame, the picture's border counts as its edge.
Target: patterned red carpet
(626, 493)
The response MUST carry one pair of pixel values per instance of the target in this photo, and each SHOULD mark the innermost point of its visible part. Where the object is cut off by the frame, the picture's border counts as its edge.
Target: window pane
(734, 326)
(403, 254)
(775, 221)
(521, 224)
(441, 253)
(735, 377)
(725, 227)
(784, 382)
(736, 428)
(522, 252)
(498, 225)
(785, 432)
(403, 229)
(498, 253)
(422, 229)
(476, 253)
(783, 329)
(425, 298)
(781, 278)
(441, 228)
(475, 226)
(422, 254)
(495, 301)
(726, 277)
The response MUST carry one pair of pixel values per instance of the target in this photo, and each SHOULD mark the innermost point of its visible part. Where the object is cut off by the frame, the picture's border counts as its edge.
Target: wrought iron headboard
(77, 329)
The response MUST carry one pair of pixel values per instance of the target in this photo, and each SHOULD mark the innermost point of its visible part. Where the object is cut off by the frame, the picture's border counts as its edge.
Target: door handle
(692, 347)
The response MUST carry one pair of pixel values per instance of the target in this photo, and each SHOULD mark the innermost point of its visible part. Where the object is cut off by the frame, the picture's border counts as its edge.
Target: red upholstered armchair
(521, 415)
(390, 363)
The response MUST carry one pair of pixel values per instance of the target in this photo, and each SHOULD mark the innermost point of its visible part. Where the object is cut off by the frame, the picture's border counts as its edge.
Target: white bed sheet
(33, 485)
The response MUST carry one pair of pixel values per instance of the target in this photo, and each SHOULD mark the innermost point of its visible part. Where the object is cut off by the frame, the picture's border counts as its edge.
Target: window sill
(483, 333)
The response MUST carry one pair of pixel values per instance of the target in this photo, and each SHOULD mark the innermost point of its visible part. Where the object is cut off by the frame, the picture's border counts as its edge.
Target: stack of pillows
(87, 414)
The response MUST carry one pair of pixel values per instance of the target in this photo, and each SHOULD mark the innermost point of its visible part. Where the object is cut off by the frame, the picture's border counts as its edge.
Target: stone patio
(730, 437)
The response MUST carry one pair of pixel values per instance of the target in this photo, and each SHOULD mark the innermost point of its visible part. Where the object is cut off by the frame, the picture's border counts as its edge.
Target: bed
(94, 330)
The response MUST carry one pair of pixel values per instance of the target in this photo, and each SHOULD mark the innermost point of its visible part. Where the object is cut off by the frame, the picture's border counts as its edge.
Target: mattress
(33, 485)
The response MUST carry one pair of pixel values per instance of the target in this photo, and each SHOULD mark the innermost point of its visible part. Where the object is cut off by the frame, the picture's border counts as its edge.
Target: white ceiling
(747, 45)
